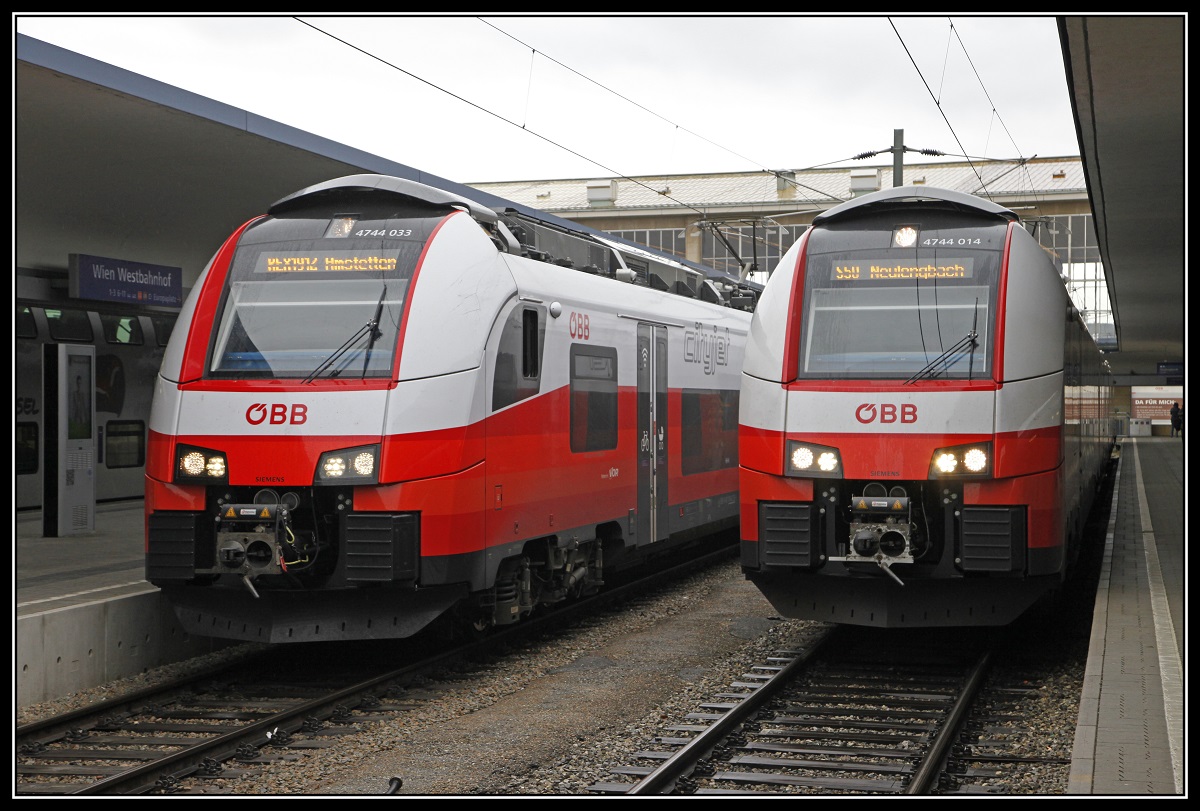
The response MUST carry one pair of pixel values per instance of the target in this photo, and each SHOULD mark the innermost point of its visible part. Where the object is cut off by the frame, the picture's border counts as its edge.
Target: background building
(742, 223)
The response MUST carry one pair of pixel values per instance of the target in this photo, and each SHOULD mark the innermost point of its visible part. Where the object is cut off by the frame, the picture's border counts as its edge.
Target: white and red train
(384, 403)
(924, 418)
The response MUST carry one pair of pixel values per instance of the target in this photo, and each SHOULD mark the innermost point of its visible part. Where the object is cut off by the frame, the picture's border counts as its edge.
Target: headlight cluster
(196, 465)
(349, 466)
(807, 459)
(962, 460)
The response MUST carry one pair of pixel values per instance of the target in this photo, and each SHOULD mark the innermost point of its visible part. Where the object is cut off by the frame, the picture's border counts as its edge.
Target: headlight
(972, 460)
(349, 466)
(807, 459)
(196, 465)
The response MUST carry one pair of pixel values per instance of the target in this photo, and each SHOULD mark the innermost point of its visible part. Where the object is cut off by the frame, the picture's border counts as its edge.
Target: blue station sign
(103, 279)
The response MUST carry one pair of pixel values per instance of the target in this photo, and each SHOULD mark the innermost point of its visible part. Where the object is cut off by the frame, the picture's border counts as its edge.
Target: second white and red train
(924, 418)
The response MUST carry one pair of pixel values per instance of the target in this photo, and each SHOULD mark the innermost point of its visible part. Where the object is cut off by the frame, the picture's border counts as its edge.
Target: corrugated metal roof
(815, 188)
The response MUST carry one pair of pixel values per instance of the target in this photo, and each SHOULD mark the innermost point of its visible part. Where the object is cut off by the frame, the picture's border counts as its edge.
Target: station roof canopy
(106, 160)
(1126, 79)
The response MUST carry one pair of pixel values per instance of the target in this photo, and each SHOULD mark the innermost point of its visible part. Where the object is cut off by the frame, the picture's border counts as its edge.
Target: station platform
(83, 611)
(1131, 733)
(85, 615)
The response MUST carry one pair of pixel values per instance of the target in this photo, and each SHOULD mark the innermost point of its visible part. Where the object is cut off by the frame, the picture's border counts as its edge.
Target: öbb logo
(581, 326)
(886, 413)
(277, 413)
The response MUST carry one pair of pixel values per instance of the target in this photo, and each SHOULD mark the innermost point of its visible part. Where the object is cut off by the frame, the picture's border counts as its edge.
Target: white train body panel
(172, 360)
(764, 350)
(897, 412)
(428, 405)
(706, 343)
(1037, 307)
(1031, 404)
(446, 333)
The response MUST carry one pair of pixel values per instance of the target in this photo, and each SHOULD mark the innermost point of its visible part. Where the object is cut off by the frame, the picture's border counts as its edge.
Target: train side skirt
(310, 616)
(878, 601)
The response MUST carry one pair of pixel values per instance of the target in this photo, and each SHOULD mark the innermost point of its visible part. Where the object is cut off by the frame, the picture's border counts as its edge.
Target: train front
(901, 420)
(287, 449)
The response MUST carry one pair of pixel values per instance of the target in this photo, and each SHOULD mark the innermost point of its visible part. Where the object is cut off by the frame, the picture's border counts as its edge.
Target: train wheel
(480, 625)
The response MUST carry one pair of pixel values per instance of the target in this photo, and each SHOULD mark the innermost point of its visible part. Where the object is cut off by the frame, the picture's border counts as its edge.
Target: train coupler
(249, 541)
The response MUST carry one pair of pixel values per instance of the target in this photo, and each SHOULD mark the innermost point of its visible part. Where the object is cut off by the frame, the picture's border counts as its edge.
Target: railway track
(862, 711)
(851, 712)
(190, 736)
(1002, 746)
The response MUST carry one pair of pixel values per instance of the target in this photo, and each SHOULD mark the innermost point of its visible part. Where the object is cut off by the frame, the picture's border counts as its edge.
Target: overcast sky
(494, 98)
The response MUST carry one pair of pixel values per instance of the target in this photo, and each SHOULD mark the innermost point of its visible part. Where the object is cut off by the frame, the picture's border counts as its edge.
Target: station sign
(100, 278)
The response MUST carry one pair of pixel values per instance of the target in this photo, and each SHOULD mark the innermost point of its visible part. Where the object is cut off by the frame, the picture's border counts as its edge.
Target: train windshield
(909, 301)
(314, 298)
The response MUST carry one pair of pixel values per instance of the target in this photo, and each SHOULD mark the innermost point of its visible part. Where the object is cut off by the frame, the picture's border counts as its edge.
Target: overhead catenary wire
(482, 109)
(534, 52)
(783, 176)
(779, 175)
(1022, 162)
(936, 102)
(523, 127)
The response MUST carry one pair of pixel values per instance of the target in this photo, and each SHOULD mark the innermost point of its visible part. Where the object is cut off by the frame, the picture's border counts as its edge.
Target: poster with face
(79, 397)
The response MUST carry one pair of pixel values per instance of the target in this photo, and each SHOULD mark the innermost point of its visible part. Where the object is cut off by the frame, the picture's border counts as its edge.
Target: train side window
(26, 326)
(69, 325)
(708, 428)
(593, 398)
(124, 443)
(531, 356)
(162, 329)
(122, 329)
(518, 358)
(731, 401)
(26, 437)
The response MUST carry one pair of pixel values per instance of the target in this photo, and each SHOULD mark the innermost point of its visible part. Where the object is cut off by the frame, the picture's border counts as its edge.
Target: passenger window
(26, 436)
(162, 330)
(69, 325)
(518, 358)
(124, 443)
(593, 398)
(26, 327)
(708, 427)
(122, 329)
(531, 346)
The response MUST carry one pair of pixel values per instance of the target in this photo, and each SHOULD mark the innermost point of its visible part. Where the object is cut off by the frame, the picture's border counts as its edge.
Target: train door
(652, 434)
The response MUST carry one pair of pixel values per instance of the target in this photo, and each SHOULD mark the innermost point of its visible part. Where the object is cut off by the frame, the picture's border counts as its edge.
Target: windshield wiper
(967, 342)
(931, 369)
(370, 328)
(376, 333)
